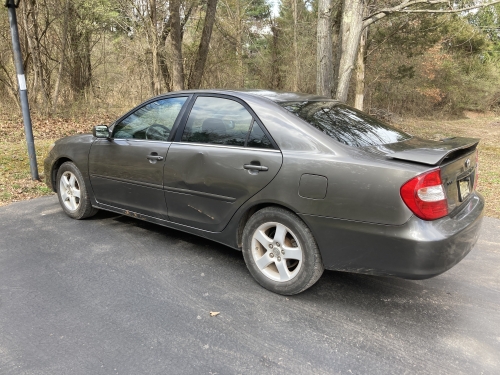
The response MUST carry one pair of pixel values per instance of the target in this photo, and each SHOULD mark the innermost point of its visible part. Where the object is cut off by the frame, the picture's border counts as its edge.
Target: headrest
(213, 126)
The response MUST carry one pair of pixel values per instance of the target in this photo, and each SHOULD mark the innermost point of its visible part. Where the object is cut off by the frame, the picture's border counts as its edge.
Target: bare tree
(324, 52)
(176, 37)
(354, 21)
(196, 72)
(64, 39)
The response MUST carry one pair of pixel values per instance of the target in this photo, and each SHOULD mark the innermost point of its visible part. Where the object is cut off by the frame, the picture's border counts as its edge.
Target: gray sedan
(297, 182)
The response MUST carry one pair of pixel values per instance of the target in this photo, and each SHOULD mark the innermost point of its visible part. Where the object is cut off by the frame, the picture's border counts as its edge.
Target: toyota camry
(299, 183)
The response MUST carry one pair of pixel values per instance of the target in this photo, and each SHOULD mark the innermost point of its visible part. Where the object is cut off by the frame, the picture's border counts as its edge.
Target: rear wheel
(72, 192)
(280, 251)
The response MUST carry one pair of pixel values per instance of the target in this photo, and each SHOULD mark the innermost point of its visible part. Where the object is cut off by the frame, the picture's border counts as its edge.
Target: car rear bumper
(416, 250)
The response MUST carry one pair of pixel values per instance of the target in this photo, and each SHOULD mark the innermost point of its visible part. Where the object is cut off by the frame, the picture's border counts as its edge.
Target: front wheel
(280, 251)
(72, 192)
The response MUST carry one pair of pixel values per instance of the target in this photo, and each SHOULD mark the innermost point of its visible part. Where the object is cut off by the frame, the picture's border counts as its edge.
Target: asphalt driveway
(117, 295)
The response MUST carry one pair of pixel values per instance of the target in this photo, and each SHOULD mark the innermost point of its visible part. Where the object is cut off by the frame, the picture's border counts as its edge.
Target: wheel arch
(252, 210)
(55, 168)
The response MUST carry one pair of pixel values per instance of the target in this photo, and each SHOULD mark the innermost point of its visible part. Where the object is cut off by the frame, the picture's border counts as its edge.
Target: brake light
(425, 196)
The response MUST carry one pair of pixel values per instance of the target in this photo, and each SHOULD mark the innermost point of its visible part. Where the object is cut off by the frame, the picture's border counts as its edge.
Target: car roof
(275, 96)
(283, 96)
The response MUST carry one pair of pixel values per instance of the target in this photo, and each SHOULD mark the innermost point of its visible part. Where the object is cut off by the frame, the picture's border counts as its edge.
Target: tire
(72, 192)
(280, 251)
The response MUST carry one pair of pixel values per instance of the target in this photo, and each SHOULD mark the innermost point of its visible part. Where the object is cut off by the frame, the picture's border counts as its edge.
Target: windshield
(344, 124)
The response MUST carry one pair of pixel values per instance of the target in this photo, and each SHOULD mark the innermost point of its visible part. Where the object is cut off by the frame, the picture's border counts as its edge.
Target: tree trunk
(79, 49)
(296, 65)
(176, 37)
(324, 53)
(162, 55)
(165, 73)
(196, 73)
(239, 45)
(350, 34)
(64, 39)
(155, 71)
(360, 72)
(276, 81)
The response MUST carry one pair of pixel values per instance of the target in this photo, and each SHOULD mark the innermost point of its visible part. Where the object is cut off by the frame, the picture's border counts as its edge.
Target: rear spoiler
(436, 152)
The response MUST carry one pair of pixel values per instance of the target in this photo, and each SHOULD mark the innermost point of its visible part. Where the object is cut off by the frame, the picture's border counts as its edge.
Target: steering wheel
(154, 132)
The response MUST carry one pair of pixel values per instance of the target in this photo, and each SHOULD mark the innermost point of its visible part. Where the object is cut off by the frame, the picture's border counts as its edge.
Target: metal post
(21, 79)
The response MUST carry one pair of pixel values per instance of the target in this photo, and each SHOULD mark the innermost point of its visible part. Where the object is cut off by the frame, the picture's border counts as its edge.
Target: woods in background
(400, 56)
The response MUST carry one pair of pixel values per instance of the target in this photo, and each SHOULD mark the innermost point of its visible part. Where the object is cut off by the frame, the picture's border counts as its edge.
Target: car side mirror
(100, 131)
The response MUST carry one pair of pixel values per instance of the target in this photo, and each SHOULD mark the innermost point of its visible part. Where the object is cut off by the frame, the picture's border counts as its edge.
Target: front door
(126, 171)
(222, 158)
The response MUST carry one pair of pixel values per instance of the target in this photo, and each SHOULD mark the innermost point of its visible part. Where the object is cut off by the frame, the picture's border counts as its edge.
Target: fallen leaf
(214, 313)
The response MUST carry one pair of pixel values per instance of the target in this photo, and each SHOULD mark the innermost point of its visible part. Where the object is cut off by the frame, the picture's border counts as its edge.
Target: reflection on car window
(152, 121)
(258, 138)
(217, 121)
(345, 124)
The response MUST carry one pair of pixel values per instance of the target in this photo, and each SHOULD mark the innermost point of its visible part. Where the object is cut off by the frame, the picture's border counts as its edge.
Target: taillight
(425, 196)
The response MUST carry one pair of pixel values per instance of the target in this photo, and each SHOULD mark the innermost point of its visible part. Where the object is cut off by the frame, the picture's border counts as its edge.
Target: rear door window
(345, 124)
(221, 121)
(217, 121)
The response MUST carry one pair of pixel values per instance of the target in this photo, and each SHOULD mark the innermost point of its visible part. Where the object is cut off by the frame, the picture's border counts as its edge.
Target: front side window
(217, 121)
(154, 121)
(345, 124)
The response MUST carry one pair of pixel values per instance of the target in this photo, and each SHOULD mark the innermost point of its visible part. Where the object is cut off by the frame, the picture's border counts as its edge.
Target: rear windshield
(344, 124)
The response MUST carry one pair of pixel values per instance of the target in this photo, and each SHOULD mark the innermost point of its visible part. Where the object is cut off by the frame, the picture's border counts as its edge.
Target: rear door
(221, 158)
(126, 171)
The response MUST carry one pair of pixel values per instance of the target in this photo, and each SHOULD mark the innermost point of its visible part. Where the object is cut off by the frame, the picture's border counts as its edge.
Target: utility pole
(21, 79)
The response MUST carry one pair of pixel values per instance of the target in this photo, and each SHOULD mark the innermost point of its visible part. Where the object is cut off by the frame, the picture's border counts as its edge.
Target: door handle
(154, 157)
(253, 167)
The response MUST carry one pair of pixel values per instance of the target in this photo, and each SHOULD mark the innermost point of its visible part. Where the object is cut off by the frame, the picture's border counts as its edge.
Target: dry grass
(15, 177)
(16, 184)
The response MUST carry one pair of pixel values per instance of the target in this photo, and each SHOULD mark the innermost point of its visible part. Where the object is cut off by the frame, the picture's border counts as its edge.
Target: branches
(403, 8)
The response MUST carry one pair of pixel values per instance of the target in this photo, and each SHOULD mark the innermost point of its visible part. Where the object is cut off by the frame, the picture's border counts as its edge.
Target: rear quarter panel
(361, 186)
(357, 189)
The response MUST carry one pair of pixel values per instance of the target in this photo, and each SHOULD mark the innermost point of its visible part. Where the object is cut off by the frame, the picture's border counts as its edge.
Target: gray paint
(361, 224)
(416, 250)
(432, 152)
(215, 172)
(123, 176)
(313, 186)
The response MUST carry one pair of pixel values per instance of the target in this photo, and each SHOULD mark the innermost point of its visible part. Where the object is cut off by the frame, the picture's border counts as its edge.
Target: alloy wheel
(276, 251)
(69, 189)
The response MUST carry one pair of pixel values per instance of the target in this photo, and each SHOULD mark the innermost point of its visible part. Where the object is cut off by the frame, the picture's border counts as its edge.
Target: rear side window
(346, 125)
(258, 138)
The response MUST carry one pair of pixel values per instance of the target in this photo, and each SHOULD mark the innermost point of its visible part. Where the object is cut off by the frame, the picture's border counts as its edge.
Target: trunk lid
(429, 152)
(456, 157)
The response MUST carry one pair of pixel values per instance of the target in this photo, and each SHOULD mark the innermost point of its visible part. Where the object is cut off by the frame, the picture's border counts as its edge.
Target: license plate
(464, 188)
